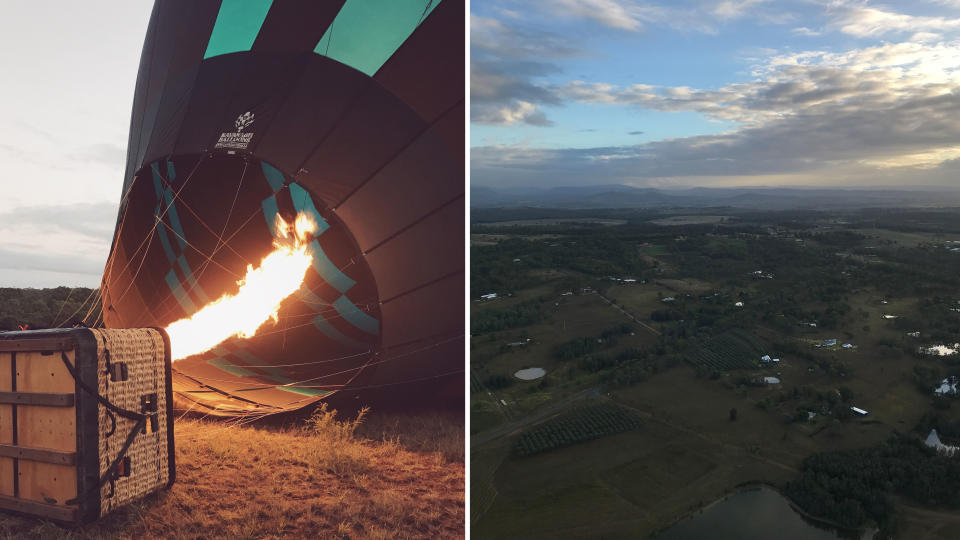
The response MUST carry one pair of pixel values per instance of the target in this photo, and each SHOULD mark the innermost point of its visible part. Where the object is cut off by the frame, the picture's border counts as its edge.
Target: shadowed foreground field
(387, 476)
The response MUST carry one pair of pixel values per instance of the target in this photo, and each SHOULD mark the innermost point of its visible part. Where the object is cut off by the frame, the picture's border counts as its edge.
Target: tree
(733, 414)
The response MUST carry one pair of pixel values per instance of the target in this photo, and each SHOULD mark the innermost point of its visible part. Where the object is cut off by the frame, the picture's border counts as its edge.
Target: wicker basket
(86, 420)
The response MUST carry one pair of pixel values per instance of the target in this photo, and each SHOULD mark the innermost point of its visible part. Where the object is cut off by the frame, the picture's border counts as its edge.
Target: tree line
(36, 309)
(854, 487)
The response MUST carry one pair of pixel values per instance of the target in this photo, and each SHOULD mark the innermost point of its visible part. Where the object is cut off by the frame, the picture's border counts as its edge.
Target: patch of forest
(855, 487)
(47, 308)
(495, 320)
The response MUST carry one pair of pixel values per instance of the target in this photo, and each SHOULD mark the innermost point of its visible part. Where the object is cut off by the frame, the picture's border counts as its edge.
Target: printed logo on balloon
(237, 139)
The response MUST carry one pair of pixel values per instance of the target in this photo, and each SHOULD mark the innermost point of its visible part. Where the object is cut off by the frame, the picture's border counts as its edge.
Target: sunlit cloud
(816, 113)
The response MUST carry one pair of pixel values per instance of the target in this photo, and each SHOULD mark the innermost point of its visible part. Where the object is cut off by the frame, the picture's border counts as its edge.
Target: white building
(947, 386)
(933, 441)
(488, 296)
(859, 411)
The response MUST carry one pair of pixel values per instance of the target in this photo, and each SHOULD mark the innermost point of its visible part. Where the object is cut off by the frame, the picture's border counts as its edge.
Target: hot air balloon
(350, 112)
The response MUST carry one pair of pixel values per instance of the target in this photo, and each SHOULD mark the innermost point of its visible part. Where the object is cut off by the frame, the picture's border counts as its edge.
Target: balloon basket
(86, 422)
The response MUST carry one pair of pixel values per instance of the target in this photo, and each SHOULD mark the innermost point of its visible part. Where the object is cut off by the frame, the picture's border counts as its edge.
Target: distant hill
(761, 198)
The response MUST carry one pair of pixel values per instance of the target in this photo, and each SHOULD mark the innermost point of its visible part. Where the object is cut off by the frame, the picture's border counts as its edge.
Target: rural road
(629, 316)
(537, 416)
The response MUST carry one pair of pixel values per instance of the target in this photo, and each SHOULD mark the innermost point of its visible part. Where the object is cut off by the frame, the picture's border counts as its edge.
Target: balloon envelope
(351, 111)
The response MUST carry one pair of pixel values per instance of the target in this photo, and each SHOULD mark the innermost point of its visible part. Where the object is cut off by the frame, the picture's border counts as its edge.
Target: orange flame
(258, 298)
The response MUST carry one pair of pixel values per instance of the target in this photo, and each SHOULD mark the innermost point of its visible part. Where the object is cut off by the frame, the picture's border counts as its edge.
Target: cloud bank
(883, 113)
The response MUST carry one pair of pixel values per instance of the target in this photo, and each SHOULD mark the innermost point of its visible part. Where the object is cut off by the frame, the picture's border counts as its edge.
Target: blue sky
(674, 94)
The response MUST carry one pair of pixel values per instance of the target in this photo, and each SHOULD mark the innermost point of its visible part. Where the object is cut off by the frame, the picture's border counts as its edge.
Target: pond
(530, 374)
(756, 513)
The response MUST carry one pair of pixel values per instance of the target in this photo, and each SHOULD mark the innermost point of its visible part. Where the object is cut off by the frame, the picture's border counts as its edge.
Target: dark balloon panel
(349, 111)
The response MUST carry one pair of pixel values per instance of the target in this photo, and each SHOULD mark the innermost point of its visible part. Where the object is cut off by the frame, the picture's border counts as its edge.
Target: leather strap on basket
(141, 419)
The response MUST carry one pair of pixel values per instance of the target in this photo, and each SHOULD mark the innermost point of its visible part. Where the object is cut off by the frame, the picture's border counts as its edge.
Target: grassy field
(900, 237)
(388, 476)
(647, 478)
(690, 220)
(555, 221)
(688, 452)
(571, 317)
(686, 455)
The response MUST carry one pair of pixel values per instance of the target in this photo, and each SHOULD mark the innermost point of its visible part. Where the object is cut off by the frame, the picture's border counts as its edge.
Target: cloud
(730, 9)
(504, 93)
(19, 260)
(804, 31)
(512, 113)
(36, 158)
(634, 16)
(807, 83)
(610, 13)
(106, 153)
(506, 62)
(862, 21)
(509, 60)
(877, 114)
(489, 35)
(94, 221)
(55, 245)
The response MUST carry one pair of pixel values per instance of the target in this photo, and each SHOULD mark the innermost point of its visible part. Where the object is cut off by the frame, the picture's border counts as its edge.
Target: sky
(717, 93)
(69, 70)
(563, 92)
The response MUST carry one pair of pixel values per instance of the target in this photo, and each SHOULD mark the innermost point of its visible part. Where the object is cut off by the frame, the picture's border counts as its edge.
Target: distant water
(530, 374)
(755, 514)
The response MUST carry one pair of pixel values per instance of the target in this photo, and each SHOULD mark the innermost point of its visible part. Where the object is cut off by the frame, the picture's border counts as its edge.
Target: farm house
(933, 441)
(948, 386)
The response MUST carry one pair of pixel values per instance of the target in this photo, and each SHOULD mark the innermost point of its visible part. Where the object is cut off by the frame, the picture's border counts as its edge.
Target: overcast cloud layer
(828, 93)
(69, 70)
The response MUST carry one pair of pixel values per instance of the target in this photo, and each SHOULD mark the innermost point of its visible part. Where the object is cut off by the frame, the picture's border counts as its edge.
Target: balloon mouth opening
(258, 296)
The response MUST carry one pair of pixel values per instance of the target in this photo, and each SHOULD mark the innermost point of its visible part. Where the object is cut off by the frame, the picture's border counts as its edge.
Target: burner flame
(258, 297)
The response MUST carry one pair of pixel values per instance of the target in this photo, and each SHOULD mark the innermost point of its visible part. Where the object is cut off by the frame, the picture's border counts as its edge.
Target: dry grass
(373, 476)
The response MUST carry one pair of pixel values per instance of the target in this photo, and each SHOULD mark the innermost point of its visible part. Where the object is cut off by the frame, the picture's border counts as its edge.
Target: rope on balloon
(148, 238)
(223, 231)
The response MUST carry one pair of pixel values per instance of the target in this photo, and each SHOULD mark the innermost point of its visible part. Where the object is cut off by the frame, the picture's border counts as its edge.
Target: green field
(691, 364)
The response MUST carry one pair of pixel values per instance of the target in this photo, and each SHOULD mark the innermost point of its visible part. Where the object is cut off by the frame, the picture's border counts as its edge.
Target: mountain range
(770, 198)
